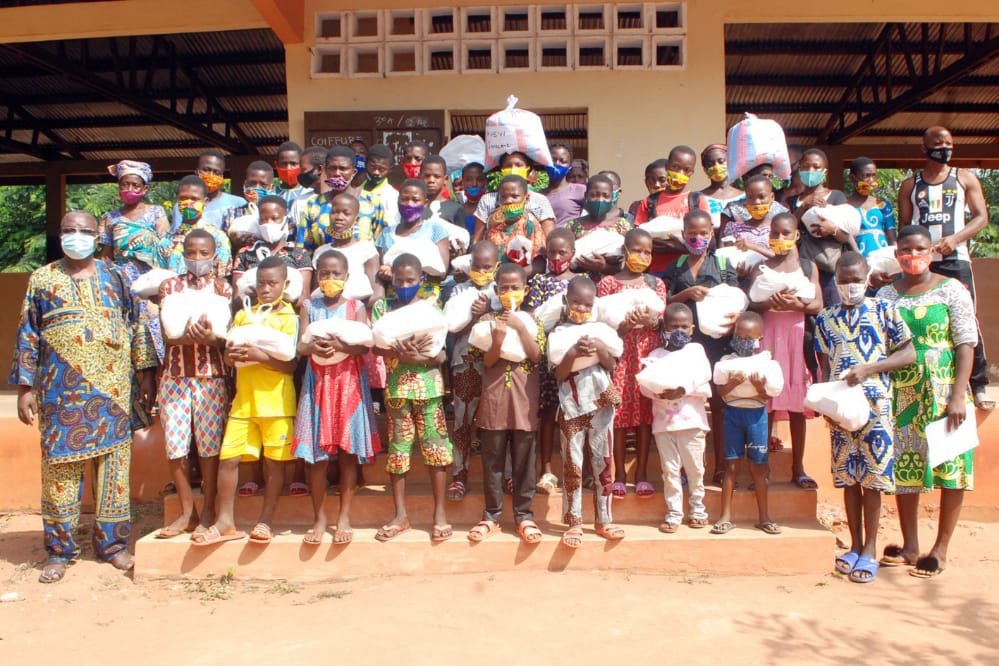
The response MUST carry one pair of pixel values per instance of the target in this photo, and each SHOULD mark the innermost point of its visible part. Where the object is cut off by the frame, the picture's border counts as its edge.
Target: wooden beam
(286, 18)
(55, 208)
(42, 152)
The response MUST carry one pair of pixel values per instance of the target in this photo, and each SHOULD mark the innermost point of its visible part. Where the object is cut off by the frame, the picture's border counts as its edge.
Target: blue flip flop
(846, 562)
(867, 564)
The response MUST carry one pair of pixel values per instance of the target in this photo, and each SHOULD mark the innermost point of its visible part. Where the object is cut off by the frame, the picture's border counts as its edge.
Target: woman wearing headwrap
(129, 235)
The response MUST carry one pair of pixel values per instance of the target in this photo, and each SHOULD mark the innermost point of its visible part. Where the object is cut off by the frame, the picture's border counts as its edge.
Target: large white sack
(846, 405)
(664, 227)
(481, 337)
(254, 332)
(458, 309)
(148, 284)
(721, 302)
(756, 141)
(563, 338)
(358, 285)
(247, 224)
(677, 369)
(349, 331)
(462, 264)
(749, 365)
(458, 236)
(515, 130)
(550, 312)
(612, 310)
(414, 320)
(247, 282)
(746, 259)
(426, 251)
(769, 282)
(463, 149)
(844, 216)
(883, 260)
(180, 308)
(605, 243)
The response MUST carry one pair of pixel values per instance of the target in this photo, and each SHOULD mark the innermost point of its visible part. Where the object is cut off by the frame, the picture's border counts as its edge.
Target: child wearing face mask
(507, 414)
(273, 242)
(336, 418)
(473, 187)
(511, 220)
(719, 193)
(861, 340)
(667, 182)
(639, 333)
(689, 278)
(191, 193)
(745, 379)
(680, 422)
(537, 205)
(748, 221)
(193, 391)
(785, 334)
(566, 197)
(561, 248)
(602, 212)
(466, 366)
(587, 399)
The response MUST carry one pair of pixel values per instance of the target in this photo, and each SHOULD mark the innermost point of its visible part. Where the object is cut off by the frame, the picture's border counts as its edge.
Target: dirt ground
(97, 614)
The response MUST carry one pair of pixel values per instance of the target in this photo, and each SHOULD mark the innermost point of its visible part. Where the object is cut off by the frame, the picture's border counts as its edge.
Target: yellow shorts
(244, 438)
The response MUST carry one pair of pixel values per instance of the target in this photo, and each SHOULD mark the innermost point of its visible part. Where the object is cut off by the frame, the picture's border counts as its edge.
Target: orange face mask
(212, 181)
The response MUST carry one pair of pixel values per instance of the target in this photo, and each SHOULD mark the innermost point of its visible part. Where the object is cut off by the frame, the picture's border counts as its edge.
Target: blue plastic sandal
(868, 565)
(846, 562)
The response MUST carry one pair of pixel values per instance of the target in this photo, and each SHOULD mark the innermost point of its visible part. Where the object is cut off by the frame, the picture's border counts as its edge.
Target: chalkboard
(393, 128)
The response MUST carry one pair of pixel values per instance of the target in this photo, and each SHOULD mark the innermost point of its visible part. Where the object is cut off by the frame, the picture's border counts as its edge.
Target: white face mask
(272, 233)
(78, 246)
(853, 293)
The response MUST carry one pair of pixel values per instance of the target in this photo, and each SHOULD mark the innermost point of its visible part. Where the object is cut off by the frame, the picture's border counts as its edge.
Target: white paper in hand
(942, 445)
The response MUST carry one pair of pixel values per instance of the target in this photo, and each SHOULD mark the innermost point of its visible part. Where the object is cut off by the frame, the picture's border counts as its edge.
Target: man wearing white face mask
(80, 347)
(273, 234)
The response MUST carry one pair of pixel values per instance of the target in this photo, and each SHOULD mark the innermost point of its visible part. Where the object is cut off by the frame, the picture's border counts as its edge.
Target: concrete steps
(804, 547)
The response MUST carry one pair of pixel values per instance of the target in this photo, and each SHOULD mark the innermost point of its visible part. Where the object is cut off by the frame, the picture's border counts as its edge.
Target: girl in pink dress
(784, 315)
(639, 331)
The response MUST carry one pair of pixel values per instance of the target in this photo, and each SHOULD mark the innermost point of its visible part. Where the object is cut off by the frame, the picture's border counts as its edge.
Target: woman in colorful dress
(877, 216)
(941, 316)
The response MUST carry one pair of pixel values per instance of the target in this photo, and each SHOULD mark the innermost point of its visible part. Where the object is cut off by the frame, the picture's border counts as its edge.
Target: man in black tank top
(936, 197)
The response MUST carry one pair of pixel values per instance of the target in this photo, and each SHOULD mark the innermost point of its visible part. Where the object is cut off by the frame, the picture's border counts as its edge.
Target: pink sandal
(644, 489)
(619, 490)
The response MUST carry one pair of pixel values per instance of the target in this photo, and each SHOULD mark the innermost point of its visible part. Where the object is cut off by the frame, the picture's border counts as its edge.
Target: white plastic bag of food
(757, 363)
(769, 282)
(247, 224)
(664, 227)
(605, 243)
(846, 405)
(279, 346)
(426, 251)
(515, 130)
(358, 285)
(550, 312)
(458, 309)
(148, 284)
(669, 372)
(462, 264)
(247, 282)
(520, 250)
(463, 149)
(612, 310)
(414, 320)
(349, 331)
(180, 308)
(883, 260)
(718, 305)
(844, 216)
(563, 338)
(459, 236)
(755, 141)
(746, 259)
(481, 337)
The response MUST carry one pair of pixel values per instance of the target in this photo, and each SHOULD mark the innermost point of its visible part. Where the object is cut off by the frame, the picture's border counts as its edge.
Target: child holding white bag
(336, 418)
(784, 333)
(263, 409)
(680, 421)
(587, 398)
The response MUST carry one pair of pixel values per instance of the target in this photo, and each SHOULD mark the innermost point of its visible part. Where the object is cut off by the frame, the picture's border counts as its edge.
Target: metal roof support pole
(55, 207)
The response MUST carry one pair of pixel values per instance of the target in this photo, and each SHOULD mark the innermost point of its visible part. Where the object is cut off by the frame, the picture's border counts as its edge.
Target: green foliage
(22, 228)
(99, 199)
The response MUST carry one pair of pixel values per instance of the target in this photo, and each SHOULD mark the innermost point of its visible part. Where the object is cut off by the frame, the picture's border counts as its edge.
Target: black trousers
(521, 446)
(961, 270)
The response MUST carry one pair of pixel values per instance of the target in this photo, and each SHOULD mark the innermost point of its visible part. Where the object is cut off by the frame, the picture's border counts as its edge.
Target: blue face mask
(677, 339)
(744, 346)
(360, 162)
(812, 178)
(406, 294)
(261, 192)
(557, 172)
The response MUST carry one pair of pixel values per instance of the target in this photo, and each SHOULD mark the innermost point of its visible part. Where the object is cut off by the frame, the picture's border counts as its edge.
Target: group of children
(588, 403)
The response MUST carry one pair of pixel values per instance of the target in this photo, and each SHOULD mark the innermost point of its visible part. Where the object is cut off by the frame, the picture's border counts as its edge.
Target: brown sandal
(482, 531)
(610, 532)
(529, 532)
(573, 537)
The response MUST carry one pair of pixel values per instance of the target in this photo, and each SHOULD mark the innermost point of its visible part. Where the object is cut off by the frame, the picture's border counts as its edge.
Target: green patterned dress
(940, 320)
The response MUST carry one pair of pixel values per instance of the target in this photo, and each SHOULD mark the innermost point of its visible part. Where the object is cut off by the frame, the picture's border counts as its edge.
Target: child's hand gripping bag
(605, 243)
(757, 363)
(426, 251)
(719, 304)
(844, 216)
(179, 309)
(515, 130)
(613, 309)
(846, 405)
(460, 239)
(148, 284)
(550, 312)
(883, 260)
(279, 346)
(563, 338)
(414, 320)
(745, 259)
(247, 283)
(458, 309)
(481, 337)
(349, 331)
(664, 227)
(520, 250)
(754, 141)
